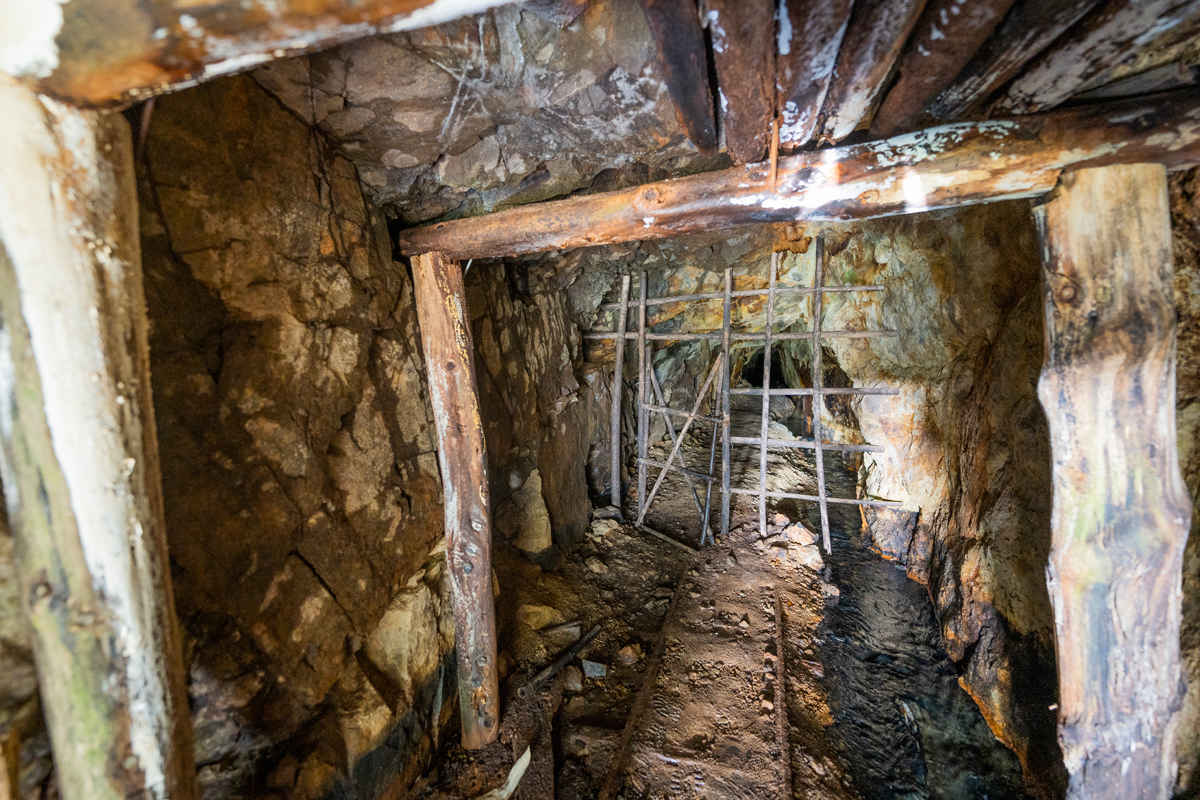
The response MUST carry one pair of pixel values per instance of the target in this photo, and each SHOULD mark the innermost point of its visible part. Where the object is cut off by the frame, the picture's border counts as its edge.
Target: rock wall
(299, 471)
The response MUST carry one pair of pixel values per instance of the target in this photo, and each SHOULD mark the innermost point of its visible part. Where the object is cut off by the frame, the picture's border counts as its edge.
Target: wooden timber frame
(721, 428)
(454, 394)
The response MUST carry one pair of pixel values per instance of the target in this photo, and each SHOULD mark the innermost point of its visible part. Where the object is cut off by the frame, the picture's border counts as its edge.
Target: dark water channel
(904, 726)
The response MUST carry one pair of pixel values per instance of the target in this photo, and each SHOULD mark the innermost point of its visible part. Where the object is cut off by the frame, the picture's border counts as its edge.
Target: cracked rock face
(497, 109)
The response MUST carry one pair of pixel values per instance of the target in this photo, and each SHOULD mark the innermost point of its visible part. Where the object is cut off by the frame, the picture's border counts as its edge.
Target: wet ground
(873, 706)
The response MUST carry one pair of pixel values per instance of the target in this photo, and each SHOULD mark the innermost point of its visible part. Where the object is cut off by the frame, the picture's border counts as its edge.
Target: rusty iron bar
(705, 532)
(807, 392)
(814, 499)
(556, 666)
(781, 712)
(766, 398)
(725, 340)
(618, 385)
(682, 435)
(807, 444)
(700, 336)
(738, 293)
(643, 418)
(817, 383)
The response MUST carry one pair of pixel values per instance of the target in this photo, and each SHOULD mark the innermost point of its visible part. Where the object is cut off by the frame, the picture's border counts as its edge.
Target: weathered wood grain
(675, 26)
(79, 455)
(948, 33)
(1116, 31)
(462, 455)
(877, 32)
(809, 37)
(110, 53)
(743, 46)
(1029, 27)
(1121, 511)
(953, 165)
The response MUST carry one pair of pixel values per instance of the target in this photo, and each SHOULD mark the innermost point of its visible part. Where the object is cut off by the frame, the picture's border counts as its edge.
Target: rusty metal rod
(766, 398)
(618, 386)
(675, 412)
(781, 714)
(683, 298)
(817, 383)
(557, 664)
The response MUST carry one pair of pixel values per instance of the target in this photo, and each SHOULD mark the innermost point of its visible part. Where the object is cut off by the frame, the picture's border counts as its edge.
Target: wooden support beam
(79, 455)
(947, 35)
(1121, 511)
(743, 47)
(110, 53)
(453, 392)
(810, 35)
(1028, 29)
(877, 32)
(952, 165)
(683, 55)
(1117, 30)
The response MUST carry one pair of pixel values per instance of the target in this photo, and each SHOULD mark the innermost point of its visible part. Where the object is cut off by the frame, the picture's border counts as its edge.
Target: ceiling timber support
(462, 455)
(80, 455)
(953, 165)
(1121, 511)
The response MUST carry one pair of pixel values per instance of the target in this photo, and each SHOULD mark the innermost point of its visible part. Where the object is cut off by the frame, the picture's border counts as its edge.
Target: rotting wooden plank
(945, 38)
(1116, 31)
(79, 455)
(618, 385)
(1029, 27)
(818, 383)
(462, 453)
(743, 47)
(766, 403)
(643, 420)
(782, 739)
(675, 26)
(726, 464)
(877, 32)
(810, 34)
(110, 53)
(1121, 510)
(952, 165)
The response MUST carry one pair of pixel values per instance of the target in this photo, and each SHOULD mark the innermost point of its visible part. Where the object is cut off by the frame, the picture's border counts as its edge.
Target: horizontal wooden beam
(109, 53)
(952, 165)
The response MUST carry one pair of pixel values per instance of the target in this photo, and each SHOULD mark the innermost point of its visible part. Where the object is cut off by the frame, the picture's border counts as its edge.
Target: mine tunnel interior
(438, 528)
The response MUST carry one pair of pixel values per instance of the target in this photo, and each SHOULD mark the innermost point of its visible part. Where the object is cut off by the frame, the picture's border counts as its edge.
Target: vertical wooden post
(79, 455)
(618, 385)
(453, 391)
(1121, 511)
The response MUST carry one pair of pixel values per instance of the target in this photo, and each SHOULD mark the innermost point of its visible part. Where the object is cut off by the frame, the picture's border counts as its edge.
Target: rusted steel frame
(813, 498)
(878, 30)
(766, 403)
(1029, 28)
(807, 392)
(687, 298)
(618, 386)
(742, 33)
(952, 165)
(643, 419)
(782, 740)
(689, 473)
(683, 55)
(810, 35)
(462, 454)
(947, 35)
(666, 415)
(745, 337)
(817, 383)
(806, 444)
(682, 435)
(725, 462)
(612, 779)
(110, 53)
(1108, 37)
